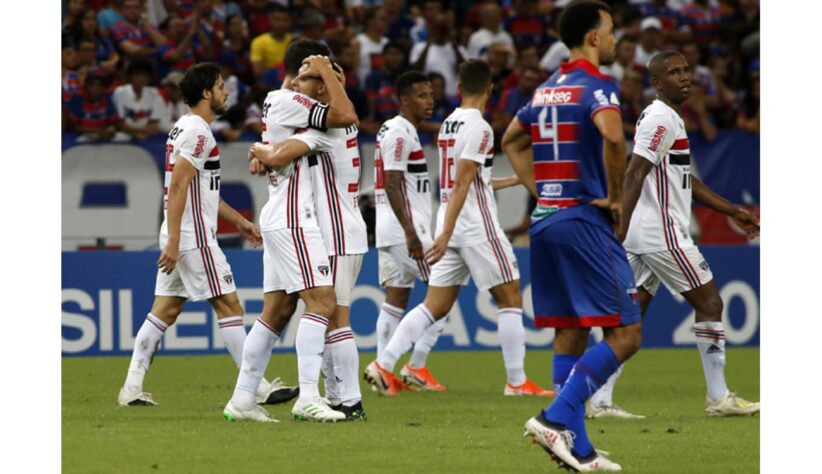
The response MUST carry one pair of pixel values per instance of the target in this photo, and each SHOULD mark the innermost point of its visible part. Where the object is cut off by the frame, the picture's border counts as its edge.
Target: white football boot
(232, 412)
(315, 410)
(556, 443)
(731, 405)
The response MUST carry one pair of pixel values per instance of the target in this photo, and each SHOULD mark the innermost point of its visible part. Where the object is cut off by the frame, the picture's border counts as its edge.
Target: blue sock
(563, 363)
(590, 372)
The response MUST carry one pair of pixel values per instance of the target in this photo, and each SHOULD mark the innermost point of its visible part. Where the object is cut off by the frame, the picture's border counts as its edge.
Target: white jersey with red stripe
(191, 139)
(334, 163)
(399, 149)
(290, 198)
(663, 212)
(465, 135)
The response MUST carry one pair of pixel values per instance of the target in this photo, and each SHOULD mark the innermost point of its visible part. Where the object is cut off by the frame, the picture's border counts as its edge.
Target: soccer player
(657, 202)
(334, 163)
(191, 265)
(581, 276)
(403, 195)
(295, 261)
(470, 241)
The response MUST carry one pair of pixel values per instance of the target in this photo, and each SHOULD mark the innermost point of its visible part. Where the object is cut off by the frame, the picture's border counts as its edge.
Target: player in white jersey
(402, 190)
(470, 241)
(334, 163)
(295, 260)
(191, 265)
(657, 204)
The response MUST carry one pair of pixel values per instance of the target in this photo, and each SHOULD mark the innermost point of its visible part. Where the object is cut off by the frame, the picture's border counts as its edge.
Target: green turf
(471, 428)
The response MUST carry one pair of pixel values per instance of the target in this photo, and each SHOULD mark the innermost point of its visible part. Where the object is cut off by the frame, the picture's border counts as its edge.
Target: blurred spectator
(748, 116)
(515, 98)
(625, 53)
(379, 85)
(556, 55)
(74, 12)
(443, 106)
(701, 74)
(430, 10)
(256, 12)
(237, 90)
(173, 106)
(230, 125)
(649, 41)
(490, 32)
(268, 49)
(526, 26)
(84, 57)
(742, 25)
(91, 112)
(438, 54)
(348, 57)
(209, 27)
(110, 16)
(670, 20)
(527, 57)
(371, 41)
(696, 115)
(138, 104)
(134, 37)
(631, 25)
(71, 78)
(500, 55)
(86, 28)
(632, 101)
(224, 10)
(703, 20)
(179, 52)
(399, 22)
(235, 49)
(312, 25)
(725, 113)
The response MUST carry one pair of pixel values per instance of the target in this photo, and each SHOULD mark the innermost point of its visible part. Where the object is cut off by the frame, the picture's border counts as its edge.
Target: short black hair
(393, 45)
(659, 59)
(577, 19)
(369, 15)
(273, 8)
(198, 78)
(406, 81)
(474, 76)
(298, 50)
(140, 65)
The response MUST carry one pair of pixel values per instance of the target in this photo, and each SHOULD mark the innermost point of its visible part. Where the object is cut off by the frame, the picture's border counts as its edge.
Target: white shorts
(200, 274)
(294, 260)
(345, 270)
(680, 270)
(398, 270)
(490, 264)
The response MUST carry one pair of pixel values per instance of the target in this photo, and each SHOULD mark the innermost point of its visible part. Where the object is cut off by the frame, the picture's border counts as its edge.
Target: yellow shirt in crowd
(268, 51)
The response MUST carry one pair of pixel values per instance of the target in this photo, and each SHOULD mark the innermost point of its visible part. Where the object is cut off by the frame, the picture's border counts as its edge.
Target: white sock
(512, 340)
(332, 388)
(710, 340)
(427, 342)
(256, 354)
(309, 344)
(346, 364)
(408, 332)
(233, 333)
(387, 323)
(145, 345)
(605, 395)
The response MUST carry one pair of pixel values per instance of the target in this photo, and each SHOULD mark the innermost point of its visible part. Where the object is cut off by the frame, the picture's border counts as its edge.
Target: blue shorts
(581, 277)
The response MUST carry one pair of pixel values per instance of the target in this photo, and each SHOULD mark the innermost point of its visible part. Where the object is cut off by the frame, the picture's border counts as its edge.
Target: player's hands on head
(315, 63)
(168, 258)
(414, 245)
(251, 233)
(747, 221)
(437, 250)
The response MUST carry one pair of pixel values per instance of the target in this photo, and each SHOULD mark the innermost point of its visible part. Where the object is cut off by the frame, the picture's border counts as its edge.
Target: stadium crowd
(122, 60)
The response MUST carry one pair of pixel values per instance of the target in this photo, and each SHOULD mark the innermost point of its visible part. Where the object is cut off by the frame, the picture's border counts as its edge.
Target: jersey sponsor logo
(398, 149)
(557, 96)
(659, 134)
(198, 150)
(302, 100)
(551, 190)
(486, 137)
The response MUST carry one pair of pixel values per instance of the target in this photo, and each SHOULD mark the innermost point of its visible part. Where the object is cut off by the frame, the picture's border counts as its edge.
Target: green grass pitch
(470, 428)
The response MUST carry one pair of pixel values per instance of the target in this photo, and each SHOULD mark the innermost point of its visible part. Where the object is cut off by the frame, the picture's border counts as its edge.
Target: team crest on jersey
(704, 266)
(323, 269)
(229, 279)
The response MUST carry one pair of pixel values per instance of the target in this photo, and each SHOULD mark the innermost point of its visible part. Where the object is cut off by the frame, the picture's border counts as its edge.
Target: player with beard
(191, 265)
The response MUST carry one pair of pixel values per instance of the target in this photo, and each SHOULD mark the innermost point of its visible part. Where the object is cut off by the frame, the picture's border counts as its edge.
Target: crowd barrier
(106, 295)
